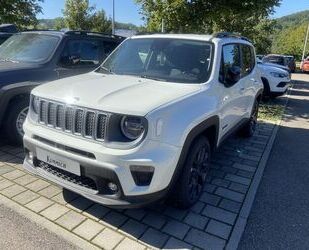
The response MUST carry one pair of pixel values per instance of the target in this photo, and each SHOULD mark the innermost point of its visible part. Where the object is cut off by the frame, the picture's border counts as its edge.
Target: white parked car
(275, 80)
(144, 124)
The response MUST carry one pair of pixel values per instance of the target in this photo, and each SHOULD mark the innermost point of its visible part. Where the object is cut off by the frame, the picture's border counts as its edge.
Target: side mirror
(74, 59)
(70, 60)
(233, 75)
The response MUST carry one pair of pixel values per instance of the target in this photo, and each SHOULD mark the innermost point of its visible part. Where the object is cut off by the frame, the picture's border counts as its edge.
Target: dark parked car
(31, 58)
(6, 31)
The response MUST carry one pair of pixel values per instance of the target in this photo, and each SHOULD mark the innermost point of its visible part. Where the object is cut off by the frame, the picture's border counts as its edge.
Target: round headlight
(132, 127)
(35, 104)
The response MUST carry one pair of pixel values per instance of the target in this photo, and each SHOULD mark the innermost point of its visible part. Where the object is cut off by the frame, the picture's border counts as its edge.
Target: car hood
(114, 93)
(271, 68)
(11, 72)
(277, 66)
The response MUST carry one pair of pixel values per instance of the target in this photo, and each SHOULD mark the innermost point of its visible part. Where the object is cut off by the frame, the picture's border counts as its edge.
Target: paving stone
(173, 243)
(54, 212)
(14, 174)
(5, 169)
(219, 229)
(220, 182)
(154, 220)
(209, 188)
(230, 205)
(198, 207)
(114, 219)
(176, 213)
(238, 179)
(80, 204)
(244, 167)
(210, 198)
(154, 238)
(229, 170)
(245, 174)
(37, 185)
(137, 214)
(239, 187)
(229, 194)
(204, 240)
(65, 196)
(25, 180)
(107, 239)
(250, 157)
(88, 229)
(70, 220)
(176, 229)
(50, 191)
(96, 212)
(12, 191)
(219, 214)
(39, 204)
(133, 228)
(250, 163)
(196, 220)
(25, 197)
(128, 244)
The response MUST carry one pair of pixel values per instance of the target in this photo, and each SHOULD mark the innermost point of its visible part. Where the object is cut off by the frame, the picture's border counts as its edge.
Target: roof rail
(230, 35)
(88, 33)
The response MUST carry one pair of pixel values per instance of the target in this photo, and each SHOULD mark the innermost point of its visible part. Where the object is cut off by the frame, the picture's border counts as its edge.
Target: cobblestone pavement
(207, 225)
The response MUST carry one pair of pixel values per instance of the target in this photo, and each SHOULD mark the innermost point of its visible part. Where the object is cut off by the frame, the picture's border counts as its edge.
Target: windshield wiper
(107, 70)
(153, 78)
(8, 60)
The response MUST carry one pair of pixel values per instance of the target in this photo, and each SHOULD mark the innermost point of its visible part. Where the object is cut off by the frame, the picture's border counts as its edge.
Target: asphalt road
(17, 232)
(279, 218)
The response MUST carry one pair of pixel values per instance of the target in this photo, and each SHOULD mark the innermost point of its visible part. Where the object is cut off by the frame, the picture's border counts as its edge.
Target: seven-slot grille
(75, 120)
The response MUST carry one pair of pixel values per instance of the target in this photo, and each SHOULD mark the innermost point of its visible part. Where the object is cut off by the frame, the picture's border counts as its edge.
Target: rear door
(249, 78)
(232, 100)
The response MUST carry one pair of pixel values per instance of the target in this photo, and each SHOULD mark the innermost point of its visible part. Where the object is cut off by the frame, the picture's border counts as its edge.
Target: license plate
(58, 161)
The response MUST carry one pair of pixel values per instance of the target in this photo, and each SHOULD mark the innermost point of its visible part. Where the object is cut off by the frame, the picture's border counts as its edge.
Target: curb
(42, 222)
(241, 221)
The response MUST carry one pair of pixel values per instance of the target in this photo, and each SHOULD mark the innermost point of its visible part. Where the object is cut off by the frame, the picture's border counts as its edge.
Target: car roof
(222, 36)
(62, 33)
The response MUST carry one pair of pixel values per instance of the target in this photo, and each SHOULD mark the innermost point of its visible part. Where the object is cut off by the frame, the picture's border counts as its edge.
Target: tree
(79, 15)
(291, 41)
(20, 12)
(247, 17)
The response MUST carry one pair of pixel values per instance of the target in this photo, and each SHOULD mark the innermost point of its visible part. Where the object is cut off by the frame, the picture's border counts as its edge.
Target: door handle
(253, 80)
(241, 90)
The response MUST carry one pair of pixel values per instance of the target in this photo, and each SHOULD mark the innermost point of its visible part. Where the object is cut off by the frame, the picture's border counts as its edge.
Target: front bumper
(107, 165)
(279, 85)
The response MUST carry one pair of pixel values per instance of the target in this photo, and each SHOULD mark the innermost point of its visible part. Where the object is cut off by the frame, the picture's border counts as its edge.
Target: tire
(16, 115)
(249, 128)
(189, 186)
(266, 91)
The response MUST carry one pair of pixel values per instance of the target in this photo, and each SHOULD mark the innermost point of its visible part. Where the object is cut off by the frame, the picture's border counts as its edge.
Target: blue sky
(128, 11)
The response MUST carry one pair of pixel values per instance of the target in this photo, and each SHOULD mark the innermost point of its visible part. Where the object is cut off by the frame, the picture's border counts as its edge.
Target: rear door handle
(241, 90)
(253, 80)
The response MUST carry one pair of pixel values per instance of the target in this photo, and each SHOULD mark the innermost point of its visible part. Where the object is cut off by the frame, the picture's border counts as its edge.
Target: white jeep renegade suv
(145, 123)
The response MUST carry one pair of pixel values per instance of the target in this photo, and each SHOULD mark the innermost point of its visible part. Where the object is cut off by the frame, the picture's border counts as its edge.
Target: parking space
(207, 225)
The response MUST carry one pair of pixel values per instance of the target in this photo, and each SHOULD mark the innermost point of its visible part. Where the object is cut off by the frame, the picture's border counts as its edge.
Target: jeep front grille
(75, 120)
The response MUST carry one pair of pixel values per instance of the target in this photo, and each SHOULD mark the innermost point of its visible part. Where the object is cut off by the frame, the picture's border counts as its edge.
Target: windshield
(173, 60)
(28, 47)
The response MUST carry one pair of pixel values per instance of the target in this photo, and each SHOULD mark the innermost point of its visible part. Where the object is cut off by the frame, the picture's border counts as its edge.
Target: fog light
(113, 187)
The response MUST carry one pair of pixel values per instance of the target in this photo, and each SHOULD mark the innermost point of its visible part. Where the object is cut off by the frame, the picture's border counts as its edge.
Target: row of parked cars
(138, 127)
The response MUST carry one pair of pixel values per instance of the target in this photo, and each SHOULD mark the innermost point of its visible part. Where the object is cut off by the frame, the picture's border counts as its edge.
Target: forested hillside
(290, 34)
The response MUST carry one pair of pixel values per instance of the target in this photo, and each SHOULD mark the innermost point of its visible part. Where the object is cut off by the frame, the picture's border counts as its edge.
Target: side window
(248, 60)
(82, 53)
(230, 62)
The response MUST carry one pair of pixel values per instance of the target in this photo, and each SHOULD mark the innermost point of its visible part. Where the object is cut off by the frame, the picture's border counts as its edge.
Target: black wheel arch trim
(193, 134)
(11, 91)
